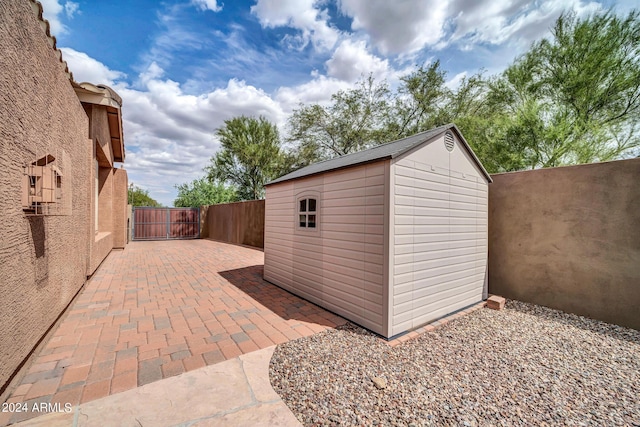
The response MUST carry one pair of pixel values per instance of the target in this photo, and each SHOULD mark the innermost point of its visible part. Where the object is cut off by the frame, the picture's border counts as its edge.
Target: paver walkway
(156, 310)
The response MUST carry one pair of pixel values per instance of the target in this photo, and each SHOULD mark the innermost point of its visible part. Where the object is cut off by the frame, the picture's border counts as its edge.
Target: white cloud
(208, 5)
(316, 91)
(399, 27)
(518, 22)
(405, 27)
(169, 134)
(87, 69)
(300, 15)
(70, 9)
(153, 72)
(169, 126)
(174, 37)
(351, 60)
(51, 11)
(455, 81)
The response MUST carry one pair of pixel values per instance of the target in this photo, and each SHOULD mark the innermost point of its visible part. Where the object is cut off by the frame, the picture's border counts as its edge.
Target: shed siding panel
(440, 231)
(278, 235)
(340, 264)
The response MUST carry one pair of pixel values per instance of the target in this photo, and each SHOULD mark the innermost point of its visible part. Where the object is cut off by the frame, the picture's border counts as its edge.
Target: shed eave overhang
(365, 162)
(390, 150)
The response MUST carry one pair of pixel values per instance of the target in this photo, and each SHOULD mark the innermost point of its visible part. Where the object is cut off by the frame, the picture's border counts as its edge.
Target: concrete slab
(51, 420)
(263, 415)
(231, 393)
(256, 368)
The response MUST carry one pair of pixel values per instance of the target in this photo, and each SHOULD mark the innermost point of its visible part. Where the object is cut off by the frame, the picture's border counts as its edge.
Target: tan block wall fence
(569, 238)
(241, 223)
(43, 260)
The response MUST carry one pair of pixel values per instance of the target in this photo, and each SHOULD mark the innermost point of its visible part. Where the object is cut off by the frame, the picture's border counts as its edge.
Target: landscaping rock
(379, 382)
(525, 365)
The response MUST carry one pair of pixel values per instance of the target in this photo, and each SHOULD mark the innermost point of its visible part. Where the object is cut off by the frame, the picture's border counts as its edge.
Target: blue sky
(182, 67)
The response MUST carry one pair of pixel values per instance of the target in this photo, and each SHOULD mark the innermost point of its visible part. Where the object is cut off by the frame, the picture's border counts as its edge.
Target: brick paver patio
(158, 309)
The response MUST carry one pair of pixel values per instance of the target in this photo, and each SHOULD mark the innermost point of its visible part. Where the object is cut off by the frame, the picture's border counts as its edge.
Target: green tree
(571, 98)
(423, 101)
(251, 156)
(353, 121)
(139, 197)
(202, 192)
(419, 103)
(575, 98)
(480, 110)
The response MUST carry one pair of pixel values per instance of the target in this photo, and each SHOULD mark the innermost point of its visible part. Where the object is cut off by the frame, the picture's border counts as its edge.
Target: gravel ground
(524, 365)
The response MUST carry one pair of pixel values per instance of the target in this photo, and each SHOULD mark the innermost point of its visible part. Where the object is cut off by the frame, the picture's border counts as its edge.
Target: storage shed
(391, 238)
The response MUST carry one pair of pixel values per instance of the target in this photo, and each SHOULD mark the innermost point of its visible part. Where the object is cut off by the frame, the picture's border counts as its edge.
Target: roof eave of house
(103, 95)
(114, 116)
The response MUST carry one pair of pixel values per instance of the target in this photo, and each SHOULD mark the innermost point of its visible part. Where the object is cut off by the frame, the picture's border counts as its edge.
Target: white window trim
(298, 212)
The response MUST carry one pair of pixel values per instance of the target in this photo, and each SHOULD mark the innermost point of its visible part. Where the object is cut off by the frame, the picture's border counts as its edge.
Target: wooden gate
(166, 223)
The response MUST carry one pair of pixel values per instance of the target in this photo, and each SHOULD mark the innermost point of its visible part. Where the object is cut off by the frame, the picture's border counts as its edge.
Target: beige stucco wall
(120, 208)
(569, 238)
(129, 223)
(99, 132)
(105, 200)
(42, 259)
(112, 191)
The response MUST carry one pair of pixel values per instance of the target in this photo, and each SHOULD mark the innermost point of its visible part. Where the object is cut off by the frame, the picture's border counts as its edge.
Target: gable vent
(448, 141)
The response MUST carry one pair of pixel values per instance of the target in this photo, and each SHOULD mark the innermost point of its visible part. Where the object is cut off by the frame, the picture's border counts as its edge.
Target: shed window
(307, 213)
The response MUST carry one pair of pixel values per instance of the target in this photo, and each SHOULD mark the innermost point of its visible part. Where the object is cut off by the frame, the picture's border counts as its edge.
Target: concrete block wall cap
(36, 6)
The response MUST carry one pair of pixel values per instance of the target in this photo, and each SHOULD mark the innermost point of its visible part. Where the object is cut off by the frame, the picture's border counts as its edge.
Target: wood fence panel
(240, 223)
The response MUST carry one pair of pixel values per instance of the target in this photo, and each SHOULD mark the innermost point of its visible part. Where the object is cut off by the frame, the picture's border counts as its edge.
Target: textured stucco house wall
(47, 235)
(109, 190)
(391, 238)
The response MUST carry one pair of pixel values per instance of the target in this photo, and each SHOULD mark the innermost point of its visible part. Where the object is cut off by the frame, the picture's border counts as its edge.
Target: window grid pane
(307, 209)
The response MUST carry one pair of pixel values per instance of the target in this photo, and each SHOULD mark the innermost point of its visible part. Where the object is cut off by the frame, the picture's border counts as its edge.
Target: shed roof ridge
(418, 136)
(388, 150)
(386, 144)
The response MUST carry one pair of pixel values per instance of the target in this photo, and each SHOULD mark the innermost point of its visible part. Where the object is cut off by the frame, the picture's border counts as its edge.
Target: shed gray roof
(389, 150)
